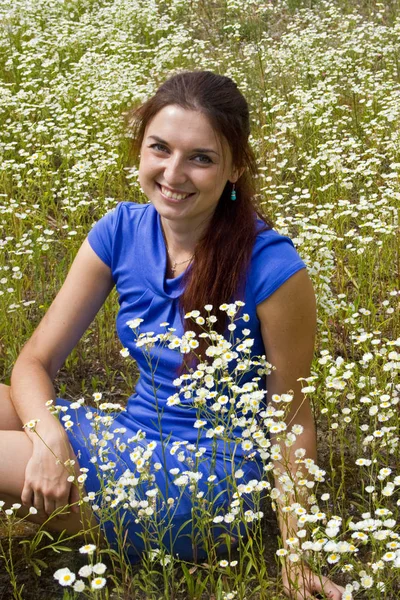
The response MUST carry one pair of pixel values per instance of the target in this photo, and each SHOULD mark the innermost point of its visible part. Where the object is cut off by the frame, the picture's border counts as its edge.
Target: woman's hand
(46, 485)
(300, 583)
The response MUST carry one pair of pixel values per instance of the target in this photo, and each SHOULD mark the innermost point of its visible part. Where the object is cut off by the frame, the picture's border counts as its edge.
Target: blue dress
(130, 241)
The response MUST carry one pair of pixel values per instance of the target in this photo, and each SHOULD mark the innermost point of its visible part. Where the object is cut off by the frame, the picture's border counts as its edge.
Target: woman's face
(184, 166)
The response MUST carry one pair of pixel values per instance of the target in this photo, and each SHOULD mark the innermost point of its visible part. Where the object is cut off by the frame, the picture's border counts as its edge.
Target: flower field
(323, 82)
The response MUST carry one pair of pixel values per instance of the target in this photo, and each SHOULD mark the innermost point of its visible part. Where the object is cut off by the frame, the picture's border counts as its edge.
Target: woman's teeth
(173, 195)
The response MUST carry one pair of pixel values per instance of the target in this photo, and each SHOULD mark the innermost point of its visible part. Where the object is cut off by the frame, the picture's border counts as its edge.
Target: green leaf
(59, 549)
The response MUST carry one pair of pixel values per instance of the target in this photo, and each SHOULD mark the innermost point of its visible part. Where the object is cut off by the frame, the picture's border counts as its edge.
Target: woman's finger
(303, 584)
(38, 502)
(296, 586)
(74, 498)
(49, 506)
(302, 595)
(326, 587)
(27, 496)
(308, 595)
(76, 492)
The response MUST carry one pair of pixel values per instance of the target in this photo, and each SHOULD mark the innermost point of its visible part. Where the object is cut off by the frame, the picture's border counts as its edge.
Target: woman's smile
(176, 195)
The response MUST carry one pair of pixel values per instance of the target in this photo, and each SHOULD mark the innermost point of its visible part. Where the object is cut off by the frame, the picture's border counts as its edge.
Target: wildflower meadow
(323, 81)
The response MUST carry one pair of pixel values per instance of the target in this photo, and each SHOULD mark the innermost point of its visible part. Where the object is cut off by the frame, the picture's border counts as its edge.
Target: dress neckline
(153, 254)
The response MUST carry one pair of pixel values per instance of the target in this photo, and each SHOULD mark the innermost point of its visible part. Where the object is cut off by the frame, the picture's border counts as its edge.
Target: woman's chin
(170, 208)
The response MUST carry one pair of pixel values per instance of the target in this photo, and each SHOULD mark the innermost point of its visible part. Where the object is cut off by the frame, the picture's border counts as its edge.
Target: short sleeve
(101, 237)
(274, 261)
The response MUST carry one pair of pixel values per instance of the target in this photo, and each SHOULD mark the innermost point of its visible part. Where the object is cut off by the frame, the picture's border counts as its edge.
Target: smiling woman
(199, 242)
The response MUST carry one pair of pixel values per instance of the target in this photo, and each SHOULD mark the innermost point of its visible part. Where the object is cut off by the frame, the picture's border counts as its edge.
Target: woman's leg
(9, 419)
(15, 452)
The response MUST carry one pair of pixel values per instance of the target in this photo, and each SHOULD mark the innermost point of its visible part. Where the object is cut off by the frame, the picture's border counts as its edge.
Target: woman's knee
(5, 395)
(9, 418)
(5, 390)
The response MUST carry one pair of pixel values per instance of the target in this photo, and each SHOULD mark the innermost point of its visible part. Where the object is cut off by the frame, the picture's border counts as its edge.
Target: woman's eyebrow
(161, 141)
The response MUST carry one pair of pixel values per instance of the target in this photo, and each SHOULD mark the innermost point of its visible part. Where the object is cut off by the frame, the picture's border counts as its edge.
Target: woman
(198, 242)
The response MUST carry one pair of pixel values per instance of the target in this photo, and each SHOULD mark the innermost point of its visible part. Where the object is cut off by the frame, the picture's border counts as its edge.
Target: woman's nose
(174, 171)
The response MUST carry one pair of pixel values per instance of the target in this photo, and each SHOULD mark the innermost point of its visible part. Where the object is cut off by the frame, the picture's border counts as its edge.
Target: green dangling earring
(233, 192)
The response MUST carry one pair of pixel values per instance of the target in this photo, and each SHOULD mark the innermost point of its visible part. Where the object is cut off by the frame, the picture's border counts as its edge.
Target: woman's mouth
(173, 195)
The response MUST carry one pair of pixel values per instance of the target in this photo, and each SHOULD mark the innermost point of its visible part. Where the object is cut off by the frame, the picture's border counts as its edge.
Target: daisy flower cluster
(90, 577)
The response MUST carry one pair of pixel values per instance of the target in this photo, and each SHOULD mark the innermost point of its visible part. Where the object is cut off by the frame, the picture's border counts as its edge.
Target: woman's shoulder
(131, 209)
(135, 218)
(270, 240)
(274, 259)
(126, 210)
(109, 234)
(125, 216)
(132, 206)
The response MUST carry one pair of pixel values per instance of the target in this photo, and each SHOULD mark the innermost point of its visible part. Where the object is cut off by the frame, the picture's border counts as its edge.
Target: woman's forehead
(189, 128)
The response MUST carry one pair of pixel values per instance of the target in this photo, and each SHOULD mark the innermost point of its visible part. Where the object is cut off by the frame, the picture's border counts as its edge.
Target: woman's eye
(159, 147)
(203, 159)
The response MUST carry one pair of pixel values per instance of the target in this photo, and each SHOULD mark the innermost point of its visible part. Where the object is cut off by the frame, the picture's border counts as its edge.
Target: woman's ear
(236, 174)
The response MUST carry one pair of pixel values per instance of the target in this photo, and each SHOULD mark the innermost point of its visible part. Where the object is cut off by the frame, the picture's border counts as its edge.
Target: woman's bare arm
(85, 289)
(288, 325)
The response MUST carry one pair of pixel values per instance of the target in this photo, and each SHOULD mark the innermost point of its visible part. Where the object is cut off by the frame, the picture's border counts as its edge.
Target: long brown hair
(217, 273)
